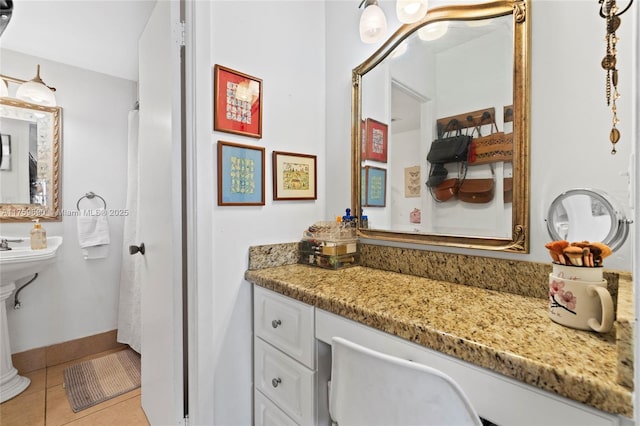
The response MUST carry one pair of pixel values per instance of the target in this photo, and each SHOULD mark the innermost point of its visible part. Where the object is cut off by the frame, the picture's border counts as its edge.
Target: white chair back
(371, 388)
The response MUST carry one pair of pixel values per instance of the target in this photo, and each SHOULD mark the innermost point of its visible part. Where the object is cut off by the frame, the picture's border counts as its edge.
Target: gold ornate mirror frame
(48, 123)
(519, 241)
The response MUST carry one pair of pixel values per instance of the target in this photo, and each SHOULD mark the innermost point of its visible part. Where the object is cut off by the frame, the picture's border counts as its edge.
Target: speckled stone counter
(625, 320)
(504, 332)
(512, 276)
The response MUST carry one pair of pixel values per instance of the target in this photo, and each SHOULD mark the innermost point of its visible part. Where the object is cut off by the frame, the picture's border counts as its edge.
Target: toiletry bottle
(38, 236)
(350, 223)
(346, 218)
(339, 229)
(364, 222)
(345, 224)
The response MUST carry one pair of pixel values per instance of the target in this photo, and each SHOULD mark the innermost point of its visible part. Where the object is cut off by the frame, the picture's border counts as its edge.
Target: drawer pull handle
(275, 323)
(276, 382)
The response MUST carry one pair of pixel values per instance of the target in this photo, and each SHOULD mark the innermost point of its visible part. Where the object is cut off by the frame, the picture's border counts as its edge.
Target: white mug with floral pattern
(585, 305)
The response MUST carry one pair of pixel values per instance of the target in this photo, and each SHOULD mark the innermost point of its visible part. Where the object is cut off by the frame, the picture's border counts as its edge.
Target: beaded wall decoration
(610, 11)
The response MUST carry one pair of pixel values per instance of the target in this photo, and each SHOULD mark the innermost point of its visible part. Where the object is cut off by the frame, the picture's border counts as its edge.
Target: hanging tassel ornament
(609, 11)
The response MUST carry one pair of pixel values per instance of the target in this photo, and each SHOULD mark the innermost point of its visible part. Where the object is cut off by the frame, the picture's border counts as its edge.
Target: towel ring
(90, 195)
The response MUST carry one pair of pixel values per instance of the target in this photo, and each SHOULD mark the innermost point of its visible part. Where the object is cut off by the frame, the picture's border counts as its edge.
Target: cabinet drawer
(285, 323)
(268, 414)
(287, 383)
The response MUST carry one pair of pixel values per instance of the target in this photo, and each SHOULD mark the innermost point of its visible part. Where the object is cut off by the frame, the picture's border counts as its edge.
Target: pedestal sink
(19, 262)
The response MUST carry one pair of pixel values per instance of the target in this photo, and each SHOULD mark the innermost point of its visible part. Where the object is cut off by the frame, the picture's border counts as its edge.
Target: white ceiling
(98, 35)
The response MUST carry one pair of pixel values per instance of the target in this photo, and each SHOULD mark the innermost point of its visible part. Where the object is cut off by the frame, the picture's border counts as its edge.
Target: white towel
(97, 252)
(93, 233)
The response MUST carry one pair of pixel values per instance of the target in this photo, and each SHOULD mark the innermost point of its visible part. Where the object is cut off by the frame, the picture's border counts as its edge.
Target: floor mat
(91, 382)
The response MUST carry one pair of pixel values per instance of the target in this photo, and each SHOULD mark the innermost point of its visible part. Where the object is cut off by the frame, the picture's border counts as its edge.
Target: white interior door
(159, 218)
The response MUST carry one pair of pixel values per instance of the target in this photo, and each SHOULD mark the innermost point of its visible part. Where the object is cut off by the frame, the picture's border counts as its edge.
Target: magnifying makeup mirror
(587, 214)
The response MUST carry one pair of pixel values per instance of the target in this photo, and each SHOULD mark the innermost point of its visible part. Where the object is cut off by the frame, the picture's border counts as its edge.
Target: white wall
(305, 52)
(283, 43)
(74, 297)
(570, 121)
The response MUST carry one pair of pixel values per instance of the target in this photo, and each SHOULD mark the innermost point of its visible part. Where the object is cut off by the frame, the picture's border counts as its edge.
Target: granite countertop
(507, 333)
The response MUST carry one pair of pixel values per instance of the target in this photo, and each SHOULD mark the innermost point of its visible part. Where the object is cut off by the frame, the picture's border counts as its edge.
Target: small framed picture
(412, 182)
(240, 175)
(237, 102)
(5, 152)
(375, 141)
(374, 186)
(294, 176)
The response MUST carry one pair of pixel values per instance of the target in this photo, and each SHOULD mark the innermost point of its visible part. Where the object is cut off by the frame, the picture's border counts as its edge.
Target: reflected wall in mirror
(464, 62)
(30, 182)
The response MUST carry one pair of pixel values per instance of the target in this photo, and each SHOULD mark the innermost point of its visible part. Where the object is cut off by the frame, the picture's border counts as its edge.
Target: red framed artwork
(237, 102)
(376, 137)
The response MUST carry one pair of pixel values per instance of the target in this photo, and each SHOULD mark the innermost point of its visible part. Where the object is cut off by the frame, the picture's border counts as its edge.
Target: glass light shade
(4, 90)
(36, 93)
(433, 31)
(410, 11)
(373, 24)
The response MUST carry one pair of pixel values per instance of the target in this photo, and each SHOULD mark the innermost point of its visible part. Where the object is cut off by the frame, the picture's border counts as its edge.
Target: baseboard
(36, 359)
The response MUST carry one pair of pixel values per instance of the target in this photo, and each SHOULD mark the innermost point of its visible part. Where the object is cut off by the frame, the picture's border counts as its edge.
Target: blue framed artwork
(240, 175)
(375, 186)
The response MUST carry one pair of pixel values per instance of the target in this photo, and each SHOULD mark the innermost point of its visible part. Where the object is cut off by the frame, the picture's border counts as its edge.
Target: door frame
(189, 216)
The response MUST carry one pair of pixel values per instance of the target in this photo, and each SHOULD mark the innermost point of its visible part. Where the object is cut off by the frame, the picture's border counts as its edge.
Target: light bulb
(373, 24)
(433, 31)
(410, 11)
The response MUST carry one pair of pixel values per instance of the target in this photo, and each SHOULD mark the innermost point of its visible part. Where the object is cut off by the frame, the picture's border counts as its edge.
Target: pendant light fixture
(36, 92)
(410, 11)
(373, 23)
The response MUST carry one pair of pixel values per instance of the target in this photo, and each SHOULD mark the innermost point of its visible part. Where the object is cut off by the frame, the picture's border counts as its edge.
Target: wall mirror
(587, 214)
(462, 64)
(30, 166)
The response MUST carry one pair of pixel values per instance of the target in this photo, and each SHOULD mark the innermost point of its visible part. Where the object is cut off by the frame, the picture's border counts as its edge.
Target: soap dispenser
(38, 236)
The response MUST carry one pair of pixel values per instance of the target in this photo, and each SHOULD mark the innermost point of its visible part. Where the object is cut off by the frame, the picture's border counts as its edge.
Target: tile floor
(45, 403)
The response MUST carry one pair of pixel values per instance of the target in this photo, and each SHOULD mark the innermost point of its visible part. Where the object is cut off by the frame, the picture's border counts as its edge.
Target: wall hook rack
(467, 120)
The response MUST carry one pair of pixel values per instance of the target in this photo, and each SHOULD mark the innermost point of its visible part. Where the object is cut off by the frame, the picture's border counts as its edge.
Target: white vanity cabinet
(289, 364)
(292, 367)
(498, 398)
